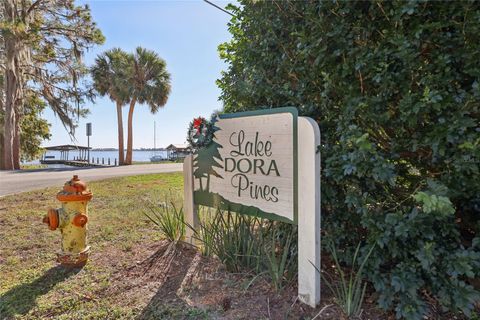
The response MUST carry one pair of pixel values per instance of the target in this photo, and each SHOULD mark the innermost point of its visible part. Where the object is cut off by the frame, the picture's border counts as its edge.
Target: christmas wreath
(200, 133)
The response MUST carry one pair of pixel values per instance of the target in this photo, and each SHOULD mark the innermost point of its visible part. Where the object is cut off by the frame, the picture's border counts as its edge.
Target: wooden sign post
(263, 163)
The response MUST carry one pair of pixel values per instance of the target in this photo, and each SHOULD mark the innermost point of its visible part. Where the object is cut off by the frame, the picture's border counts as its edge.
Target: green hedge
(395, 88)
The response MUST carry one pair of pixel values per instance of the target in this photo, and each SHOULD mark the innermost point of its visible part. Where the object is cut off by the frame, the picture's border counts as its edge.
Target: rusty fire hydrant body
(71, 219)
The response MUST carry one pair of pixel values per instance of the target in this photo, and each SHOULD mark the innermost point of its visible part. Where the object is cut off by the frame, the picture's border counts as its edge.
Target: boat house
(178, 151)
(64, 150)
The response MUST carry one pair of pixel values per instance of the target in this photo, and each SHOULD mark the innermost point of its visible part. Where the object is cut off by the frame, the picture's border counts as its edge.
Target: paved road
(26, 180)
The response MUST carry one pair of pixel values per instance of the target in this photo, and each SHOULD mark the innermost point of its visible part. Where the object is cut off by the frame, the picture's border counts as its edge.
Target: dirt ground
(179, 277)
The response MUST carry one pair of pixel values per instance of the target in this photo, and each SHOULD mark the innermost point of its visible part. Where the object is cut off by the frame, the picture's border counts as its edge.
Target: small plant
(349, 291)
(168, 219)
(249, 243)
(278, 259)
(230, 237)
(203, 233)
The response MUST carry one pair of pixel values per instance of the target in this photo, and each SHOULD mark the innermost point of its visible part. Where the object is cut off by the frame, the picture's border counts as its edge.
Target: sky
(184, 33)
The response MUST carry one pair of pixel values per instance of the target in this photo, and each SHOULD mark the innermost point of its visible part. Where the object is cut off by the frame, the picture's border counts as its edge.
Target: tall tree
(43, 43)
(149, 84)
(110, 78)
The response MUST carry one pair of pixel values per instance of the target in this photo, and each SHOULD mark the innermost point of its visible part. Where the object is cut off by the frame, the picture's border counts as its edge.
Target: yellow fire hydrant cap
(74, 190)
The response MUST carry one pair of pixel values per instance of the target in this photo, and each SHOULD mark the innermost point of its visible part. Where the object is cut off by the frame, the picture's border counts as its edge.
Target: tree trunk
(17, 55)
(11, 91)
(16, 143)
(2, 89)
(8, 134)
(1, 145)
(121, 148)
(128, 159)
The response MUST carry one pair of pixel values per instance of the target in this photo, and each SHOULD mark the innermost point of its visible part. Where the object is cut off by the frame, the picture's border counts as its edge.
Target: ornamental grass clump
(168, 219)
(248, 244)
(230, 237)
(279, 246)
(349, 288)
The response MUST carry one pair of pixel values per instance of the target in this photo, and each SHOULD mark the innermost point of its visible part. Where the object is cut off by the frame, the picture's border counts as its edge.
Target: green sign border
(215, 201)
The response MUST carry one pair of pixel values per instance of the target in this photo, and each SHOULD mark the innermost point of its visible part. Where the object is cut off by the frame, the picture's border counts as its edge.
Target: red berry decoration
(200, 133)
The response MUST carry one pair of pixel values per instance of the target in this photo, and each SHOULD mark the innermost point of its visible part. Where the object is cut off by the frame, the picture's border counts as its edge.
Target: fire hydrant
(71, 219)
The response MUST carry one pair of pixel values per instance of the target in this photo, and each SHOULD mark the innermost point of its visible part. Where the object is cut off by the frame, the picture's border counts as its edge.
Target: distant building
(178, 151)
(64, 150)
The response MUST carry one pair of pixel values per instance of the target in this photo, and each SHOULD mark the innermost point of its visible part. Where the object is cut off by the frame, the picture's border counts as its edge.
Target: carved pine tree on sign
(206, 160)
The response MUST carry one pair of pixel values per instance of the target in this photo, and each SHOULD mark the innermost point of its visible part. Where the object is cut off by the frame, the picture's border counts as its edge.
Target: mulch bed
(178, 275)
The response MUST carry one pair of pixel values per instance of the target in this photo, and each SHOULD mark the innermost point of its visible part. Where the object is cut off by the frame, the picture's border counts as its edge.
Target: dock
(76, 163)
(82, 160)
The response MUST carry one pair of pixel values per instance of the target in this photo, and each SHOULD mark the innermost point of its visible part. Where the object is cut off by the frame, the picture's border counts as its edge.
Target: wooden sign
(250, 166)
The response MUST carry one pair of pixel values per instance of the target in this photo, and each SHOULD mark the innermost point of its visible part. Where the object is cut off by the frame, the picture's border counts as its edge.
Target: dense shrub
(395, 88)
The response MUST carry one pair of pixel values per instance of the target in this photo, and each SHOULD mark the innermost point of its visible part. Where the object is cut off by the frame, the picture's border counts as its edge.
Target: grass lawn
(32, 286)
(32, 166)
(132, 273)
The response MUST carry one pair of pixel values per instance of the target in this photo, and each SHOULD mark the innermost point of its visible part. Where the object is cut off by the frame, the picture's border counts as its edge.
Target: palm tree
(149, 83)
(110, 76)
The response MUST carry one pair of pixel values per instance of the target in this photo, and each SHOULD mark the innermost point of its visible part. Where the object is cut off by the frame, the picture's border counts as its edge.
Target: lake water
(140, 156)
